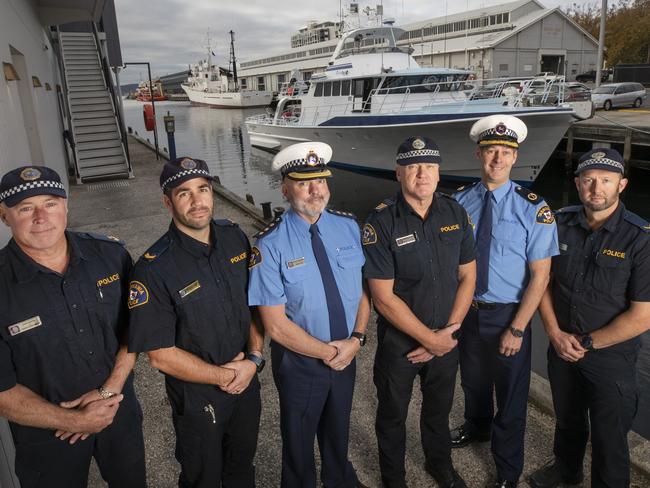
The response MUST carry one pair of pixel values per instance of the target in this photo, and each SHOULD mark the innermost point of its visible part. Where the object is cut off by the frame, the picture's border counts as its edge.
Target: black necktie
(483, 241)
(338, 324)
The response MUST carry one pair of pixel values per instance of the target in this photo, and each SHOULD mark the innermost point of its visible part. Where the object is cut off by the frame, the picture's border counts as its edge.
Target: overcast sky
(172, 33)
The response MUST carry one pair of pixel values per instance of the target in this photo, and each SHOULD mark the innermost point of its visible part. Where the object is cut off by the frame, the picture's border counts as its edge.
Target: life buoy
(149, 118)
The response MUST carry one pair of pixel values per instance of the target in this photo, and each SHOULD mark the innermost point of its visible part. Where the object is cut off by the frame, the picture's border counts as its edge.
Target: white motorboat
(211, 85)
(373, 95)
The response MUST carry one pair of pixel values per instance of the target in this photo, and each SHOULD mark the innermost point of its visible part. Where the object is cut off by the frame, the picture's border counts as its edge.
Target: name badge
(295, 263)
(191, 288)
(404, 240)
(25, 325)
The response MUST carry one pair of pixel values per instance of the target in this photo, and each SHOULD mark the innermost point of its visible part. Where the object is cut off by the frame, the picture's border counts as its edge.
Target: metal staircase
(97, 140)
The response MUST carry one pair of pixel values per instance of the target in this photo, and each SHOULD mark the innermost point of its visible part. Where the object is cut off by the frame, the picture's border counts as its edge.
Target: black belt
(488, 305)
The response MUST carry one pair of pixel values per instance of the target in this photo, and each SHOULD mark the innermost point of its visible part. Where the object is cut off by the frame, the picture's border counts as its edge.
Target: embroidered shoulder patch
(138, 294)
(545, 216)
(368, 235)
(255, 258)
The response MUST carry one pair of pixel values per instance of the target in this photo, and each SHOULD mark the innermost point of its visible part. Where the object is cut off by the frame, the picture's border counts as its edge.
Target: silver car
(618, 95)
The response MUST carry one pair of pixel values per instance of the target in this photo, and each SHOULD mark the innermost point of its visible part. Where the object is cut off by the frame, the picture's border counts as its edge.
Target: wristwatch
(361, 336)
(518, 333)
(587, 342)
(105, 394)
(259, 361)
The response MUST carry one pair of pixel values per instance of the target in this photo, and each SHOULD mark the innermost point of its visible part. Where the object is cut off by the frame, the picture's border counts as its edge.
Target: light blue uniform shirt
(523, 230)
(286, 272)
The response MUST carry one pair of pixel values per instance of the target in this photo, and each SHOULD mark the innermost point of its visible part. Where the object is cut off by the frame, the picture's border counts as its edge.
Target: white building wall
(21, 30)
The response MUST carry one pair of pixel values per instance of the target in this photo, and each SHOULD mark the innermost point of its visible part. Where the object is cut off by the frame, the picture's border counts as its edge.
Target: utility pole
(601, 41)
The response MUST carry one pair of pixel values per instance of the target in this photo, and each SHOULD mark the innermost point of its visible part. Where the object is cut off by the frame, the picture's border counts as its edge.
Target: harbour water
(219, 137)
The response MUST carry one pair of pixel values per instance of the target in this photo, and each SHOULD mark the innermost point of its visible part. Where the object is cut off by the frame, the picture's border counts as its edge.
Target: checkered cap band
(615, 165)
(492, 133)
(186, 172)
(418, 153)
(301, 162)
(30, 186)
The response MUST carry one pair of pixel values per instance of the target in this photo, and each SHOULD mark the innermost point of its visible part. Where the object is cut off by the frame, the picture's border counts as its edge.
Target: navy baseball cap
(601, 158)
(182, 169)
(416, 150)
(30, 181)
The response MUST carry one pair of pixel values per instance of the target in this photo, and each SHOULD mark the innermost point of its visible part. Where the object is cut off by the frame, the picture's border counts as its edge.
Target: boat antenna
(233, 60)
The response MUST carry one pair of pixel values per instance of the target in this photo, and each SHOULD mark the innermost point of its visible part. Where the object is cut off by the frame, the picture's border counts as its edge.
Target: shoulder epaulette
(342, 214)
(570, 209)
(446, 195)
(158, 248)
(634, 219)
(385, 204)
(224, 222)
(269, 228)
(528, 195)
(467, 186)
(100, 237)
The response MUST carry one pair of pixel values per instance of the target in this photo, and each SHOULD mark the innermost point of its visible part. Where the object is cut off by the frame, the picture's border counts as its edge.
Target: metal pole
(153, 108)
(601, 41)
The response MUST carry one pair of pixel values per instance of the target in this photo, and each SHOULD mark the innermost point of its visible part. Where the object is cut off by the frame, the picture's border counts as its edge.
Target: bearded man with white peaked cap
(305, 279)
(516, 237)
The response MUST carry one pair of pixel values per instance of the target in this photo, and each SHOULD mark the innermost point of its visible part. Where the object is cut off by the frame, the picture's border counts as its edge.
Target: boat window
(345, 88)
(327, 89)
(358, 88)
(336, 88)
(318, 92)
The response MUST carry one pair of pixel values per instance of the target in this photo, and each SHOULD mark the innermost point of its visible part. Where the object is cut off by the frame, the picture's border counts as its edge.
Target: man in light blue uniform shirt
(516, 237)
(305, 278)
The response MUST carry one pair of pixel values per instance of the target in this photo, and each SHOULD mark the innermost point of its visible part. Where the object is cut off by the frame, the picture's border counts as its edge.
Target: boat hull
(373, 148)
(243, 99)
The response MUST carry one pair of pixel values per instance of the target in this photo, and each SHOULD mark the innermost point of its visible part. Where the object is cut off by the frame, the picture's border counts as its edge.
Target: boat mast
(233, 60)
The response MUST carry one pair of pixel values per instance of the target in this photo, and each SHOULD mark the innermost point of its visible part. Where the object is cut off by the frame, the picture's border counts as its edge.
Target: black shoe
(501, 483)
(550, 476)
(446, 477)
(464, 435)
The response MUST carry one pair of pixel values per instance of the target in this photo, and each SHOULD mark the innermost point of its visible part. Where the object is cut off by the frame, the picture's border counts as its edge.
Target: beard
(598, 207)
(196, 223)
(313, 206)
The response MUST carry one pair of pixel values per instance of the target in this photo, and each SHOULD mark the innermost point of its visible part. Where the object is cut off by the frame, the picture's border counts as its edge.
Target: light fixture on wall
(36, 82)
(48, 87)
(10, 72)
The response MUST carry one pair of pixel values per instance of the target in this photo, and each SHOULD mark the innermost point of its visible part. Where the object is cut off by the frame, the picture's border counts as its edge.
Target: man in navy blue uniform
(65, 374)
(306, 281)
(421, 271)
(594, 311)
(515, 240)
(189, 313)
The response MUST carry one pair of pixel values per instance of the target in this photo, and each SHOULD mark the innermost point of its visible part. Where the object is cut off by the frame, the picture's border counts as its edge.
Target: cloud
(172, 33)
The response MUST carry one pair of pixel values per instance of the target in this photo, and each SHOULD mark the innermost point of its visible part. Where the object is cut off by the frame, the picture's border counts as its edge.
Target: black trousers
(315, 401)
(394, 376)
(216, 446)
(483, 372)
(599, 391)
(118, 451)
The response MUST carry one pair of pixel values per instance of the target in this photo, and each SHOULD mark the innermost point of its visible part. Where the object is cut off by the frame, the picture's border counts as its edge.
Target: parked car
(549, 93)
(618, 95)
(503, 87)
(591, 76)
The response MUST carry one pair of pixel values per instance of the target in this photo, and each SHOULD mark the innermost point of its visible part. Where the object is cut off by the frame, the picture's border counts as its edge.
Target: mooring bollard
(266, 210)
(278, 211)
(249, 199)
(170, 128)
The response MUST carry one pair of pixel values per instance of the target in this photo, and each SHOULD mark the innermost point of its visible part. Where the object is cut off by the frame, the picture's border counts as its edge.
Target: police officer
(515, 239)
(65, 376)
(189, 312)
(594, 310)
(421, 273)
(306, 281)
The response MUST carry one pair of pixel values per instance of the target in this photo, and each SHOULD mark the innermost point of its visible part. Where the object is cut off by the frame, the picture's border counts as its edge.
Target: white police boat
(373, 95)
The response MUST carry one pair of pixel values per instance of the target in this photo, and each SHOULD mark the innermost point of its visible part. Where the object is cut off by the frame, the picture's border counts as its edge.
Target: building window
(506, 17)
(503, 67)
(260, 83)
(243, 83)
(306, 75)
(281, 78)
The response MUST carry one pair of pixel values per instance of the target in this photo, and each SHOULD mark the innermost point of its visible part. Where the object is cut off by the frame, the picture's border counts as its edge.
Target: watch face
(516, 332)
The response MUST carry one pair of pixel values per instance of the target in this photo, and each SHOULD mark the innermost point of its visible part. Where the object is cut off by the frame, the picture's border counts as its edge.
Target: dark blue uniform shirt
(598, 273)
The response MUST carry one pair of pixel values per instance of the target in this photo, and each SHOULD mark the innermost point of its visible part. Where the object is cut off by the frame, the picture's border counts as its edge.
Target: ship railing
(292, 89)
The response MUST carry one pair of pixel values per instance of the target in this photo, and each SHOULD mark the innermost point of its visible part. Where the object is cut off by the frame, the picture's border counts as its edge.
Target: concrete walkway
(132, 210)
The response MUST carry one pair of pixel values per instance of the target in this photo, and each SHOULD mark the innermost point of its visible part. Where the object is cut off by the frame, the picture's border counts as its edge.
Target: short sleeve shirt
(598, 273)
(523, 230)
(284, 269)
(59, 333)
(192, 295)
(422, 256)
